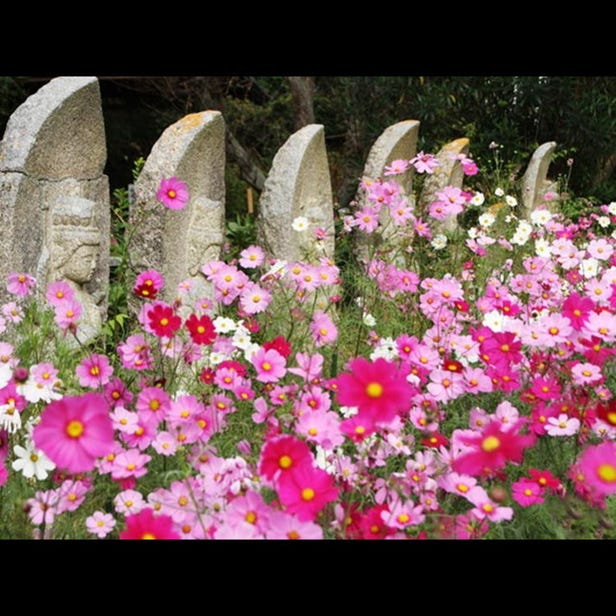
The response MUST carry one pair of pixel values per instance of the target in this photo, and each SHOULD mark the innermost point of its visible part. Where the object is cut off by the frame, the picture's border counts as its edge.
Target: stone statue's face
(80, 267)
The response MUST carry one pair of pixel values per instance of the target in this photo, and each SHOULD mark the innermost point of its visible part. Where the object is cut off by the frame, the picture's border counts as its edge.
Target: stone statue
(74, 246)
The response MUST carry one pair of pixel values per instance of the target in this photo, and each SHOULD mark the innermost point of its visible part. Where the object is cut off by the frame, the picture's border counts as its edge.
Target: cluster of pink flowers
(268, 424)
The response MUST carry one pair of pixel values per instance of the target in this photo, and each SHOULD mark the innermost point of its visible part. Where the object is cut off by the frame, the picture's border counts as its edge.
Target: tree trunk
(302, 94)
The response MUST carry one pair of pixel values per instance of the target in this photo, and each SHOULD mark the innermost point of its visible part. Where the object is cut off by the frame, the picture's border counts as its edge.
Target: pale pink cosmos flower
(563, 425)
(130, 463)
(165, 443)
(283, 525)
(252, 257)
(396, 167)
(424, 163)
(13, 312)
(42, 507)
(323, 329)
(71, 495)
(135, 353)
(254, 299)
(600, 249)
(100, 524)
(402, 514)
(20, 284)
(66, 314)
(59, 291)
(584, 373)
(129, 502)
(321, 427)
(309, 366)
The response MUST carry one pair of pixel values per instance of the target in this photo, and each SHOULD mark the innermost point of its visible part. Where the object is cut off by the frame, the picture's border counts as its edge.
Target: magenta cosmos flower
(146, 525)
(173, 193)
(74, 431)
(597, 464)
(379, 389)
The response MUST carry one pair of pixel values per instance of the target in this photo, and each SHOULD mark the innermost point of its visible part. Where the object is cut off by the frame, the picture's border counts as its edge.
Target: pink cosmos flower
(396, 167)
(20, 284)
(173, 193)
(305, 491)
(147, 525)
(130, 463)
(283, 525)
(527, 492)
(379, 389)
(66, 314)
(100, 524)
(283, 455)
(366, 219)
(597, 465)
(74, 431)
(148, 283)
(491, 449)
(71, 495)
(135, 353)
(252, 257)
(254, 299)
(94, 371)
(269, 364)
(585, 373)
(323, 329)
(58, 291)
(129, 502)
(321, 427)
(424, 163)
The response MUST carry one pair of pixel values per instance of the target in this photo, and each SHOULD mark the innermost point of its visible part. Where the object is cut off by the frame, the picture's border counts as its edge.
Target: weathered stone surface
(58, 132)
(535, 182)
(448, 173)
(53, 151)
(179, 242)
(397, 142)
(298, 184)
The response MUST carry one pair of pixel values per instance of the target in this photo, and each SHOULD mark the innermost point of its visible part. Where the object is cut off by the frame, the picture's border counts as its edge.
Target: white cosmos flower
(603, 221)
(511, 201)
(439, 242)
(31, 462)
(478, 198)
(301, 223)
(487, 219)
(224, 325)
(540, 217)
(611, 208)
(368, 319)
(499, 192)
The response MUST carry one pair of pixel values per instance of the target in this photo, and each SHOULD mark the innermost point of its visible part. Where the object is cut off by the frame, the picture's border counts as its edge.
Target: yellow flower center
(33, 457)
(403, 518)
(374, 390)
(266, 366)
(490, 443)
(171, 194)
(148, 536)
(74, 429)
(293, 534)
(607, 472)
(251, 517)
(462, 487)
(285, 462)
(307, 494)
(164, 321)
